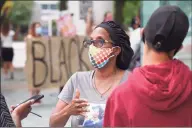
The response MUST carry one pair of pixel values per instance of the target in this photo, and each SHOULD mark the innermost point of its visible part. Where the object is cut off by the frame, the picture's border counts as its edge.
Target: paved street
(16, 91)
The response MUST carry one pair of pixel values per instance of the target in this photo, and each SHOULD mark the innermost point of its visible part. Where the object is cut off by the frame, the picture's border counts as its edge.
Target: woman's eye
(102, 41)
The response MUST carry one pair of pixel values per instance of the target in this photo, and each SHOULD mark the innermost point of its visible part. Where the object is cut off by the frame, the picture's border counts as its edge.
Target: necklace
(102, 94)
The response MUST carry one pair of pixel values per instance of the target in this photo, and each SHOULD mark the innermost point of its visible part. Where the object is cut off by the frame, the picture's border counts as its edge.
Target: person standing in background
(34, 31)
(7, 49)
(108, 17)
(69, 29)
(135, 24)
(89, 22)
(135, 39)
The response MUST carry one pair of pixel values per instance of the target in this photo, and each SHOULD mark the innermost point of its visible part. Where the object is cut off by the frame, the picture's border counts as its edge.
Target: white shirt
(135, 38)
(7, 41)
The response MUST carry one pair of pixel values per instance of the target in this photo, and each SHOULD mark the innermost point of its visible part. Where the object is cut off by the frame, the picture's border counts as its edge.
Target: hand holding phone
(22, 111)
(35, 98)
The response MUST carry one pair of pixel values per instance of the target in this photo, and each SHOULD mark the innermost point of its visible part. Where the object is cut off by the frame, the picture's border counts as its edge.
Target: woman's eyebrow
(99, 37)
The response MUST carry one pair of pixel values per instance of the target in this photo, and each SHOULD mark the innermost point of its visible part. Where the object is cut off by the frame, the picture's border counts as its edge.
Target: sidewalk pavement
(16, 91)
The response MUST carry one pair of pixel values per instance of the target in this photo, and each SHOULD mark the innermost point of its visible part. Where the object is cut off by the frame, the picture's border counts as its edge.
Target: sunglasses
(97, 43)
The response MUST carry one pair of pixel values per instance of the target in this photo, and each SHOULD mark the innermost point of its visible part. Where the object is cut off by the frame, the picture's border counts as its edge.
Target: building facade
(46, 11)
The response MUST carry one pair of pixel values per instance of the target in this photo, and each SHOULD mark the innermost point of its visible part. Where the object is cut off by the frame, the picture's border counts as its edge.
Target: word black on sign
(84, 5)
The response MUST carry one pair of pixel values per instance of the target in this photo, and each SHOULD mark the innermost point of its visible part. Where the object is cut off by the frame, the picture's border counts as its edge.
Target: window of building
(44, 6)
(53, 6)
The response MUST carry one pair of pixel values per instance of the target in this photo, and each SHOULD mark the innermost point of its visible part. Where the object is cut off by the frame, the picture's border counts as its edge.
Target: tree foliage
(21, 12)
(131, 9)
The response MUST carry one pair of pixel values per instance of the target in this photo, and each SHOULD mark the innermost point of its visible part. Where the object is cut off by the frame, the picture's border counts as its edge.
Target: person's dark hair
(121, 39)
(166, 29)
(133, 22)
(33, 28)
(5, 28)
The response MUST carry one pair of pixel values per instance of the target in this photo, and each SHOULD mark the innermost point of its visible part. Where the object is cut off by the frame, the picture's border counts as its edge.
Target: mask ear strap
(113, 48)
(111, 56)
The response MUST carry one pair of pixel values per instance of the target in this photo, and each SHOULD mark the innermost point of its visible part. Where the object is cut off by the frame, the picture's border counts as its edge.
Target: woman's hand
(63, 110)
(22, 110)
(77, 106)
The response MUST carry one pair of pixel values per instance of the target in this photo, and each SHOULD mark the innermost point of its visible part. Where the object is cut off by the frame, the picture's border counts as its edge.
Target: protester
(135, 23)
(108, 17)
(89, 22)
(14, 118)
(158, 94)
(7, 49)
(34, 31)
(136, 40)
(69, 29)
(110, 54)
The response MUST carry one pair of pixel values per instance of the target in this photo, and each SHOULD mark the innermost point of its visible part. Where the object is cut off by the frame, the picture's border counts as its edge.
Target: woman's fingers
(82, 110)
(13, 107)
(83, 105)
(79, 101)
(28, 111)
(78, 106)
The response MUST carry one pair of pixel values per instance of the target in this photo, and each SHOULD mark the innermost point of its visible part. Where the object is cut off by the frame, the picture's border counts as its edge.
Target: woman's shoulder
(82, 74)
(125, 75)
(81, 78)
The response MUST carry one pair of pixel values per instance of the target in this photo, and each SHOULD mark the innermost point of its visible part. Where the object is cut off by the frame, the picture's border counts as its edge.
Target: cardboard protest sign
(51, 61)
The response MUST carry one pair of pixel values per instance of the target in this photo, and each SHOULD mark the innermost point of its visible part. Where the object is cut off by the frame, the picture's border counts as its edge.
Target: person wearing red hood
(159, 93)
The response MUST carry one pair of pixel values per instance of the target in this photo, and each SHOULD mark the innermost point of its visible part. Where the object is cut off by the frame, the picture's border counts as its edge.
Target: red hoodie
(156, 95)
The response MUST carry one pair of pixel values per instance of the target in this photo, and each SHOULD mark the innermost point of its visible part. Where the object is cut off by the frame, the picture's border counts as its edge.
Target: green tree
(21, 12)
(119, 18)
(63, 5)
(130, 9)
(20, 16)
